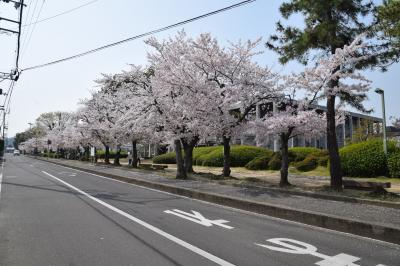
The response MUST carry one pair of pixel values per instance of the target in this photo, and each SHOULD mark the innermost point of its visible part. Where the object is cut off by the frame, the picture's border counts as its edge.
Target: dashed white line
(156, 230)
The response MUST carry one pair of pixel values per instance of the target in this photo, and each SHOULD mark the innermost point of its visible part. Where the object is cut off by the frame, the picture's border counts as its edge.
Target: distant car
(16, 153)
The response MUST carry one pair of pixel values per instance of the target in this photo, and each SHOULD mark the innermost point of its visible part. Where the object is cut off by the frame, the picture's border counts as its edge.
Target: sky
(60, 87)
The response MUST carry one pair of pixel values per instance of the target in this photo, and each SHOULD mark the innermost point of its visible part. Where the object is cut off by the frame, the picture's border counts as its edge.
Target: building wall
(344, 132)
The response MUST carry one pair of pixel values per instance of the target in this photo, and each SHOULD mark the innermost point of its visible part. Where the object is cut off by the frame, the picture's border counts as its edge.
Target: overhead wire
(27, 31)
(33, 28)
(140, 35)
(62, 13)
(6, 104)
(19, 36)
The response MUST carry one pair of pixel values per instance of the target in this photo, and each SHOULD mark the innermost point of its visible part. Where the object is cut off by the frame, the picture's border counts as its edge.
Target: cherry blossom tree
(178, 97)
(236, 84)
(201, 84)
(290, 119)
(131, 123)
(97, 120)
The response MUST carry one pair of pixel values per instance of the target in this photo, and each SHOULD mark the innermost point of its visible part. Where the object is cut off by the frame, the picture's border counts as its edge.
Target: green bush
(213, 156)
(275, 162)
(394, 164)
(167, 158)
(239, 157)
(101, 154)
(200, 152)
(323, 161)
(365, 159)
(300, 153)
(259, 163)
(308, 164)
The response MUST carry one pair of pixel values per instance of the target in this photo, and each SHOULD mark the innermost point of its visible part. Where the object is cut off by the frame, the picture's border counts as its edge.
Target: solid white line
(156, 230)
(1, 176)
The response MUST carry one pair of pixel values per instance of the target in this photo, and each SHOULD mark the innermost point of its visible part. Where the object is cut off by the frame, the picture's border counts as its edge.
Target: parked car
(16, 153)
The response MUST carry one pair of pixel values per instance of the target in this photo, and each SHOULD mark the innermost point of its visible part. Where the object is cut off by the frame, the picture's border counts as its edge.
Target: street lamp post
(382, 93)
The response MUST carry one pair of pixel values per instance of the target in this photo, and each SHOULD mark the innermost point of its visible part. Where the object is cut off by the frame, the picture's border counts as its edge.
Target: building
(354, 123)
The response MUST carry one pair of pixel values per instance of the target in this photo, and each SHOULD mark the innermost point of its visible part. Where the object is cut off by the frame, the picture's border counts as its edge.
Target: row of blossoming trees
(195, 88)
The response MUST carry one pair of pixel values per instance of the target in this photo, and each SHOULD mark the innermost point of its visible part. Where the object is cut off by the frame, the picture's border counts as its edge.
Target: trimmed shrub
(201, 152)
(394, 164)
(240, 155)
(308, 164)
(300, 153)
(213, 156)
(167, 158)
(323, 161)
(275, 162)
(364, 158)
(101, 154)
(259, 163)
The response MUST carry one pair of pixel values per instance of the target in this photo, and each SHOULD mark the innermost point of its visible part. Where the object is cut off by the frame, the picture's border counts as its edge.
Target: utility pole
(3, 127)
(382, 93)
(14, 74)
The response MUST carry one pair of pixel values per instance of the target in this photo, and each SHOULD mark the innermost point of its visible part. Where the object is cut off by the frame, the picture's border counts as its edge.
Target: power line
(19, 35)
(62, 13)
(33, 28)
(30, 21)
(140, 35)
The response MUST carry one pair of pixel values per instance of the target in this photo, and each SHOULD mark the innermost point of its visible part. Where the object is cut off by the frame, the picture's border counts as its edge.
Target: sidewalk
(363, 219)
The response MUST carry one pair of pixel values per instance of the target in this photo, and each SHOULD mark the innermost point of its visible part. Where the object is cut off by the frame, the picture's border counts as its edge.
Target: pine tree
(329, 24)
(387, 33)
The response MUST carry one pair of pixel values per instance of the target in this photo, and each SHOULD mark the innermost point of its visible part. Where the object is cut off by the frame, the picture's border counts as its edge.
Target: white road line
(156, 230)
(1, 176)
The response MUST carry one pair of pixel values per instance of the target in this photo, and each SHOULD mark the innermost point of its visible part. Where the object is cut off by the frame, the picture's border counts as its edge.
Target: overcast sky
(60, 87)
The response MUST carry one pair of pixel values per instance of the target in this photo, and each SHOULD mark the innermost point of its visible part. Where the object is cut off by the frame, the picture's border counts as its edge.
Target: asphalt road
(53, 215)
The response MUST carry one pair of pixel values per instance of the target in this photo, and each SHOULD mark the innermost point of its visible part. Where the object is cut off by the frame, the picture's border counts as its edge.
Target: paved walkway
(389, 217)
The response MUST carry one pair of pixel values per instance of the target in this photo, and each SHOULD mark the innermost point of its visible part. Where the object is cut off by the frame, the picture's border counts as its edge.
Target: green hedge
(365, 159)
(259, 163)
(308, 164)
(167, 158)
(275, 162)
(394, 164)
(300, 153)
(213, 156)
(240, 156)
(101, 154)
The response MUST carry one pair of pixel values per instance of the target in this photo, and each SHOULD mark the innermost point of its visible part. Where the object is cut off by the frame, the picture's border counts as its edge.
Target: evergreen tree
(328, 25)
(387, 33)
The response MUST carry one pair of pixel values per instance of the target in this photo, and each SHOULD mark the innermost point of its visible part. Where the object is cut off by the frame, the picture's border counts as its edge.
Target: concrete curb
(371, 230)
(392, 205)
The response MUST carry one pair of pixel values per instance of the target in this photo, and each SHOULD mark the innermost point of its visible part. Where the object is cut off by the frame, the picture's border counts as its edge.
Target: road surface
(53, 215)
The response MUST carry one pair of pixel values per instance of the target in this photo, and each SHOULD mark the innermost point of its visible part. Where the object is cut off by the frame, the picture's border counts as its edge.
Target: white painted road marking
(297, 247)
(1, 176)
(156, 230)
(67, 173)
(199, 218)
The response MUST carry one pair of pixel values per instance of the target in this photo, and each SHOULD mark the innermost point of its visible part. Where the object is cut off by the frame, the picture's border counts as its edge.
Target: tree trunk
(334, 159)
(285, 160)
(188, 147)
(117, 156)
(87, 153)
(226, 172)
(180, 169)
(95, 155)
(134, 154)
(107, 155)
